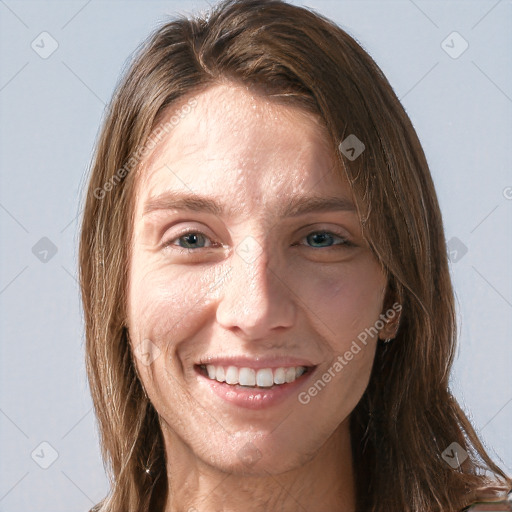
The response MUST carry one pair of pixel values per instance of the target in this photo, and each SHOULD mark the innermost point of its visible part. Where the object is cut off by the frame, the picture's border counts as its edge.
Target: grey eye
(192, 240)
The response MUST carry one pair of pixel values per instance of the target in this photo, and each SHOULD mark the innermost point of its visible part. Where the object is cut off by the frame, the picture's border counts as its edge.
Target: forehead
(252, 152)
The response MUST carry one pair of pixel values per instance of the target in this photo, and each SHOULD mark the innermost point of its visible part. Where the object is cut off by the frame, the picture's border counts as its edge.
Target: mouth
(253, 377)
(250, 387)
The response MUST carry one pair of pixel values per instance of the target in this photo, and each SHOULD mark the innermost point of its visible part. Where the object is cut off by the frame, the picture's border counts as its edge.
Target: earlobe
(390, 329)
(391, 315)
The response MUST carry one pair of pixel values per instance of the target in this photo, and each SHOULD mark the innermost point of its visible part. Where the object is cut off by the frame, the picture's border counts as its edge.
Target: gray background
(51, 110)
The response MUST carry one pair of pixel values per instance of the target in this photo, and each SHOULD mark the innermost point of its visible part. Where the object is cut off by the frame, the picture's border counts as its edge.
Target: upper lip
(255, 362)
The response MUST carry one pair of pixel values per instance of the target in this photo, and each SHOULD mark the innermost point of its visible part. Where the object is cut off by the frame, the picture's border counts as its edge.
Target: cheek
(346, 300)
(167, 302)
(167, 305)
(347, 304)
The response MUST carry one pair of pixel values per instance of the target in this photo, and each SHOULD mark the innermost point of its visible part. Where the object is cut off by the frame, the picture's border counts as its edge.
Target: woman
(269, 312)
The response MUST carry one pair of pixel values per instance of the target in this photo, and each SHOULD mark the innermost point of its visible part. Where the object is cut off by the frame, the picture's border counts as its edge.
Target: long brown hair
(407, 416)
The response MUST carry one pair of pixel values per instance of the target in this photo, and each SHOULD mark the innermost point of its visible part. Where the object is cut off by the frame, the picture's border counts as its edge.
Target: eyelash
(345, 242)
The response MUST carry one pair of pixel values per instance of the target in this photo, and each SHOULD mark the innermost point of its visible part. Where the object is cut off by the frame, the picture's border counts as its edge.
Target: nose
(255, 301)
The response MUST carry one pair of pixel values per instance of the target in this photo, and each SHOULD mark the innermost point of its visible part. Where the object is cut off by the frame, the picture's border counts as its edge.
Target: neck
(323, 484)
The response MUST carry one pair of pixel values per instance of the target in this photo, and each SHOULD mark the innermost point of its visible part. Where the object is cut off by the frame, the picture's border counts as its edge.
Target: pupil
(189, 240)
(320, 239)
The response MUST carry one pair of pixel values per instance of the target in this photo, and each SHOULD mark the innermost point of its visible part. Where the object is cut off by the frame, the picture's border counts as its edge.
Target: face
(251, 290)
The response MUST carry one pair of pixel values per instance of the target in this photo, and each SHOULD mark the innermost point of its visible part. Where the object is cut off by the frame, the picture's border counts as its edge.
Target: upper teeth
(264, 377)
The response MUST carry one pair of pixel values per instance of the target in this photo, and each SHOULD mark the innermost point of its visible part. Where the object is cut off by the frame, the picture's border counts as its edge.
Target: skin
(284, 294)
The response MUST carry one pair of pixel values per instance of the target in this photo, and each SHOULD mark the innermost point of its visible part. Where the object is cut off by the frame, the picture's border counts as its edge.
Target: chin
(255, 464)
(250, 455)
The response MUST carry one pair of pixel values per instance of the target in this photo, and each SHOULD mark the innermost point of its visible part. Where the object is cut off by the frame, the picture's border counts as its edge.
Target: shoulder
(491, 506)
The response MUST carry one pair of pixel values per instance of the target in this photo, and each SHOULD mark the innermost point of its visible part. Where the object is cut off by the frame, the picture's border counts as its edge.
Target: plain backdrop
(457, 89)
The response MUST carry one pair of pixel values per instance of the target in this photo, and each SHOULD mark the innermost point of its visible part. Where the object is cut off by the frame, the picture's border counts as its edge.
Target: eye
(190, 240)
(320, 239)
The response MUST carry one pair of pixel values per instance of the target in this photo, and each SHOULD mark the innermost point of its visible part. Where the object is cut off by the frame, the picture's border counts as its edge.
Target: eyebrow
(292, 207)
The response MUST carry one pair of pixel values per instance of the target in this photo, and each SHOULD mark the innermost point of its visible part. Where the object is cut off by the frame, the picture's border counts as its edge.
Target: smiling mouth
(253, 378)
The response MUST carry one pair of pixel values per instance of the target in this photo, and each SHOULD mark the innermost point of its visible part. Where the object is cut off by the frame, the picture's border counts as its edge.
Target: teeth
(279, 376)
(232, 375)
(289, 374)
(264, 377)
(247, 377)
(211, 371)
(219, 374)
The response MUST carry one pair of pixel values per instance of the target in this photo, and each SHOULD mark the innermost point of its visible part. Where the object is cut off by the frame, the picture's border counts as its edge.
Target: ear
(391, 313)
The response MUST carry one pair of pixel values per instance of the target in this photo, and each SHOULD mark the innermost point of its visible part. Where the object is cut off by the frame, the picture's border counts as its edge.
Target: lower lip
(254, 398)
